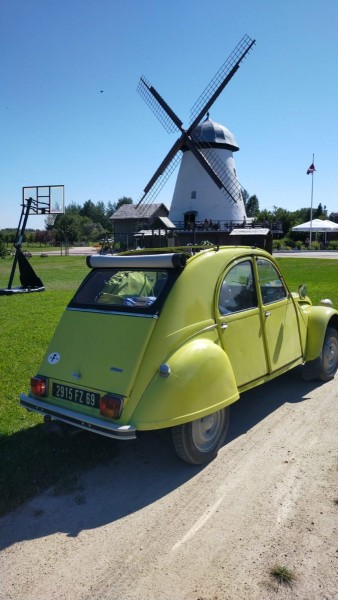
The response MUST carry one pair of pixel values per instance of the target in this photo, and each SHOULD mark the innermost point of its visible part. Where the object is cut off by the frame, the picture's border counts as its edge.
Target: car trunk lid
(98, 350)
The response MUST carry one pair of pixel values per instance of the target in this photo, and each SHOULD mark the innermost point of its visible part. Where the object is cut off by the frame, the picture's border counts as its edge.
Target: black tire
(198, 442)
(325, 366)
(328, 360)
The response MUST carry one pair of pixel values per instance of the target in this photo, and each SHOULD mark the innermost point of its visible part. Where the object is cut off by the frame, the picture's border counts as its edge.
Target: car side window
(271, 285)
(238, 290)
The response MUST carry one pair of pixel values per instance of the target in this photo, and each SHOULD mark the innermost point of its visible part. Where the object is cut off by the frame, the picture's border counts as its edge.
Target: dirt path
(148, 527)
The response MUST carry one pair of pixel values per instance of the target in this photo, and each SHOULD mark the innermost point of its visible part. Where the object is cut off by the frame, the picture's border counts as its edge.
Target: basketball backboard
(45, 199)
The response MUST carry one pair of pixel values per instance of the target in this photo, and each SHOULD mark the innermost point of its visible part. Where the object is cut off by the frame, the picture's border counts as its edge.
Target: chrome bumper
(120, 432)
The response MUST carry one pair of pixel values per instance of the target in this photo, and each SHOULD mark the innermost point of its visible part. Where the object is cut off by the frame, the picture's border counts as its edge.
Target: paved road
(307, 254)
(86, 250)
(148, 527)
(77, 251)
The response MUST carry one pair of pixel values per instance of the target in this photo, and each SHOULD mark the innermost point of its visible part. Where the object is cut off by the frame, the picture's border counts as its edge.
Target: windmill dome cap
(215, 134)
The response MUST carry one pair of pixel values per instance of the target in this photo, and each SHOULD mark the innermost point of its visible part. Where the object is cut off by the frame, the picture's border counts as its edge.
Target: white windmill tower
(207, 186)
(196, 197)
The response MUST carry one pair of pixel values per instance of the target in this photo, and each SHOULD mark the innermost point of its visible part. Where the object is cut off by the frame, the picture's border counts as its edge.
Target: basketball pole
(19, 239)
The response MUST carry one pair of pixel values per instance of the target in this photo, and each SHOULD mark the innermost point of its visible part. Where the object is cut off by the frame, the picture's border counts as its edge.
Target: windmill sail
(220, 80)
(155, 187)
(159, 107)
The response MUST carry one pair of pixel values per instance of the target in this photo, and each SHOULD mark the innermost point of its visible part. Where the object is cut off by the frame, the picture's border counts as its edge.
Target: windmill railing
(228, 225)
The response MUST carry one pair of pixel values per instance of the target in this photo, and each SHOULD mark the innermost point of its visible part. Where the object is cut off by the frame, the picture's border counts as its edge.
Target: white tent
(318, 226)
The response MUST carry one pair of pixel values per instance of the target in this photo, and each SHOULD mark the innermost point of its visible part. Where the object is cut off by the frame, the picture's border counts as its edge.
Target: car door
(279, 317)
(240, 323)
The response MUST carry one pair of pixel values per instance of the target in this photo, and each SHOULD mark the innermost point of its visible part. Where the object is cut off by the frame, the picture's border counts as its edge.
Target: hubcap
(206, 432)
(330, 355)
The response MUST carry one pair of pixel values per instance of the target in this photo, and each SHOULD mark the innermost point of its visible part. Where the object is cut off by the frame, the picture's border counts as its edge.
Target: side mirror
(302, 291)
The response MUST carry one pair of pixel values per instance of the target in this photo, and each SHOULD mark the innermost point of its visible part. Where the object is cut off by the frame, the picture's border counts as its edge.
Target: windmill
(193, 138)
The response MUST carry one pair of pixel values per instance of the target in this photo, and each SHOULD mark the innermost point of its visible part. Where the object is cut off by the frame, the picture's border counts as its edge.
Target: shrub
(288, 243)
(315, 246)
(282, 575)
(276, 244)
(333, 245)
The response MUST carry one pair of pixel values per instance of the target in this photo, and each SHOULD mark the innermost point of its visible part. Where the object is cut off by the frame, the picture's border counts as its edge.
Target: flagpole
(313, 162)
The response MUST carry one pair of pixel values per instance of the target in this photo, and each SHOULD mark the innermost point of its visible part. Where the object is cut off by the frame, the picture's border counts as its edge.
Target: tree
(89, 210)
(285, 217)
(73, 209)
(321, 212)
(252, 206)
(121, 201)
(3, 247)
(265, 215)
(91, 231)
(68, 228)
(245, 196)
(49, 222)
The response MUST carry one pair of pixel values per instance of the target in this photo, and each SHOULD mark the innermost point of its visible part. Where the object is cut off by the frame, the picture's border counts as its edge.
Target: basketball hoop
(36, 200)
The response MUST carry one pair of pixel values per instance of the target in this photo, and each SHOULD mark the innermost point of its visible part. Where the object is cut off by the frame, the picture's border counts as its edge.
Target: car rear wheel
(198, 442)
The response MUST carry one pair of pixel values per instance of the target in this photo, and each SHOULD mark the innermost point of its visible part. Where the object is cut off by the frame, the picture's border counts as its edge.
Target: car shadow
(256, 404)
(142, 472)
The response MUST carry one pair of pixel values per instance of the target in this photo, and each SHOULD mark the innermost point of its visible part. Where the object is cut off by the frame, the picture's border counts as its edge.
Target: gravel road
(149, 527)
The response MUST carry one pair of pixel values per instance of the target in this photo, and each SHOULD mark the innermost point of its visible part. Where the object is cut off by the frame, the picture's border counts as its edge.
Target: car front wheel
(328, 360)
(198, 442)
(325, 366)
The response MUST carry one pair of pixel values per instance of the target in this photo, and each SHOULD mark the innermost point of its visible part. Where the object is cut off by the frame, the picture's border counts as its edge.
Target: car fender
(318, 320)
(200, 382)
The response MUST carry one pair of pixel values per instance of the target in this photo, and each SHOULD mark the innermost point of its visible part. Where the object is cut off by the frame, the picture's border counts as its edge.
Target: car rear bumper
(121, 432)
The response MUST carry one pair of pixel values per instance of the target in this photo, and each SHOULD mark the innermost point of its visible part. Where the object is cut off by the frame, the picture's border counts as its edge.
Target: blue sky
(58, 128)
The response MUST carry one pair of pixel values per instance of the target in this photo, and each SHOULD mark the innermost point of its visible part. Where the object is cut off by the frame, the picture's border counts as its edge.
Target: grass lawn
(32, 461)
(319, 275)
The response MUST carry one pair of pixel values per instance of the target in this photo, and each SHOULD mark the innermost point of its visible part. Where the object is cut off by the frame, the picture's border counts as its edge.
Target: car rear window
(119, 289)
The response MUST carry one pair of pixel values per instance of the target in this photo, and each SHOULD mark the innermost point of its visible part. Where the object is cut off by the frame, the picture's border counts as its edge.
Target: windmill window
(193, 196)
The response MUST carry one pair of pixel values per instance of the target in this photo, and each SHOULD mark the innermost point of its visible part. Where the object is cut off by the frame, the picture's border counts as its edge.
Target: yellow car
(156, 340)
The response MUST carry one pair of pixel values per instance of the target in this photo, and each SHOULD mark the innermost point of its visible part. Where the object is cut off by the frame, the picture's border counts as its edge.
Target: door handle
(268, 313)
(224, 326)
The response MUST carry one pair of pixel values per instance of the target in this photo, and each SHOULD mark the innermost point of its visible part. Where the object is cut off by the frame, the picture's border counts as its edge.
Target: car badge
(53, 358)
(76, 375)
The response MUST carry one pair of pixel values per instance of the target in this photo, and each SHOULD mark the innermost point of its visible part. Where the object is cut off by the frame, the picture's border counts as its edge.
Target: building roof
(167, 223)
(131, 211)
(250, 231)
(215, 134)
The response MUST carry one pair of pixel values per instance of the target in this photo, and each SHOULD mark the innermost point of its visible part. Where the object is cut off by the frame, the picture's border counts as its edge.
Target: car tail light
(39, 385)
(111, 406)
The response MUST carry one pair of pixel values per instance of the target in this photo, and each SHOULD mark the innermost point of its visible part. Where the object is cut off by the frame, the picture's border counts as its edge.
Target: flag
(311, 169)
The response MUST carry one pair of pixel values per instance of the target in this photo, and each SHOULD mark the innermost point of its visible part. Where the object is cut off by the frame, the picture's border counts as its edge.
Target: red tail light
(39, 385)
(111, 406)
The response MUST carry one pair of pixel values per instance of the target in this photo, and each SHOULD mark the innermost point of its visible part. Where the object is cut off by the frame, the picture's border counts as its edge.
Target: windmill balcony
(228, 225)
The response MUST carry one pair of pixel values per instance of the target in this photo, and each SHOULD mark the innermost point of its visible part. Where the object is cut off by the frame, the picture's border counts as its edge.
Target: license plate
(72, 394)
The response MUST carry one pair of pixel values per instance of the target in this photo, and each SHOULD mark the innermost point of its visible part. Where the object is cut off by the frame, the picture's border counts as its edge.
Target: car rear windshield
(124, 290)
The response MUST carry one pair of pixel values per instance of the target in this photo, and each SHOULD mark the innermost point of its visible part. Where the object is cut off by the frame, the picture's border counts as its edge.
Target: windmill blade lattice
(221, 79)
(150, 196)
(231, 185)
(159, 107)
